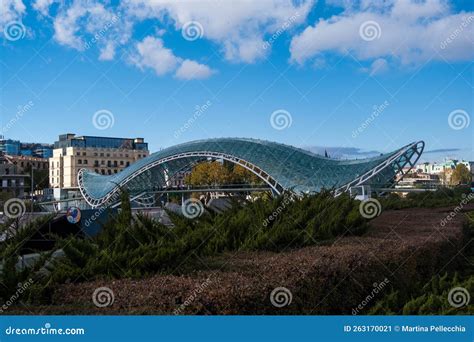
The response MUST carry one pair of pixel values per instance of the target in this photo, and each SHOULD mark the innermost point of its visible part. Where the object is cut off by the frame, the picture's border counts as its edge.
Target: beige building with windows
(103, 155)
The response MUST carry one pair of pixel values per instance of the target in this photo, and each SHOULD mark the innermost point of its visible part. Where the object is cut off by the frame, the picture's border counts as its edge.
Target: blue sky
(355, 76)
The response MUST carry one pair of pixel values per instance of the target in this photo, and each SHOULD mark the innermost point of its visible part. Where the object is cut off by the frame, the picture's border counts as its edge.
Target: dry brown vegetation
(404, 246)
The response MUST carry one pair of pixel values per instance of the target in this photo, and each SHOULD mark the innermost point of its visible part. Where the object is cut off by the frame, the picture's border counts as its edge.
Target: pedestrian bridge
(281, 167)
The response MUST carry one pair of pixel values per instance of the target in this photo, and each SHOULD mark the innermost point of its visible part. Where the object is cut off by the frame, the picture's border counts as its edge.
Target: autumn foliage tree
(461, 175)
(215, 173)
(208, 173)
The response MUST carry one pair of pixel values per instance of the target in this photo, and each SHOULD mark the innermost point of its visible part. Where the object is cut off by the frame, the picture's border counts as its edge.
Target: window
(102, 162)
(128, 163)
(109, 172)
(101, 154)
(121, 162)
(109, 163)
(96, 170)
(85, 161)
(115, 171)
(79, 161)
(83, 153)
(102, 171)
(115, 163)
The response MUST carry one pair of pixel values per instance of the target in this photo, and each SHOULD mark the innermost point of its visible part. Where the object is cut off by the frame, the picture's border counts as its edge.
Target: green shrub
(135, 247)
(430, 199)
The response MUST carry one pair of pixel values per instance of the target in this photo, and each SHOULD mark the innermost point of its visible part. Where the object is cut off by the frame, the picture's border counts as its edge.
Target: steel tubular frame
(414, 148)
(96, 202)
(398, 161)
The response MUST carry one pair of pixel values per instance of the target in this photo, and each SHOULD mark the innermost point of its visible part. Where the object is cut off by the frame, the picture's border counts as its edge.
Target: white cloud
(65, 26)
(379, 66)
(107, 53)
(11, 10)
(152, 54)
(193, 70)
(42, 6)
(246, 50)
(410, 33)
(239, 29)
(238, 26)
(86, 23)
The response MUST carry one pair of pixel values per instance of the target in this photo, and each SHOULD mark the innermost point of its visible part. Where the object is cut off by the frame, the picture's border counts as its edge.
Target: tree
(241, 175)
(461, 175)
(125, 214)
(208, 173)
(214, 173)
(40, 178)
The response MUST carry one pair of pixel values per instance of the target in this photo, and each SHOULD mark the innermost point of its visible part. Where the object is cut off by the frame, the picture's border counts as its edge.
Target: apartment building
(16, 148)
(103, 155)
(12, 181)
(25, 163)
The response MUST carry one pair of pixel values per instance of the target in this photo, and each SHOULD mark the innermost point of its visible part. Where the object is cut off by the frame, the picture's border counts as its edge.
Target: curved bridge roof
(280, 166)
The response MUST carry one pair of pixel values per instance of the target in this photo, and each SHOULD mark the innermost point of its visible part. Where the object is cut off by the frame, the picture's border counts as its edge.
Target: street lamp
(32, 186)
